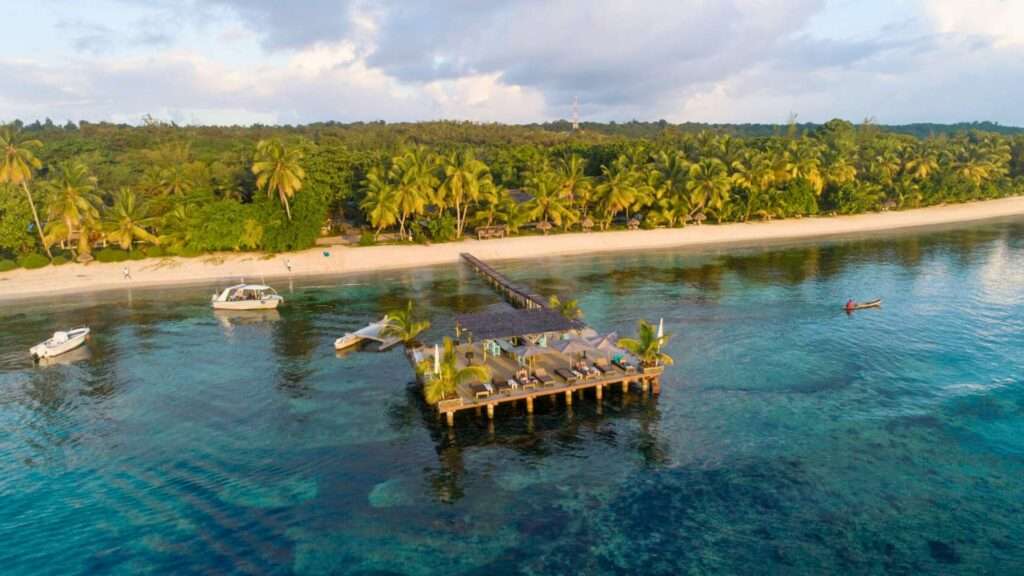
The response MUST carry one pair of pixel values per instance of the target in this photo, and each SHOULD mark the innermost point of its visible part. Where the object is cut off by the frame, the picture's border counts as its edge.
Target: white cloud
(229, 61)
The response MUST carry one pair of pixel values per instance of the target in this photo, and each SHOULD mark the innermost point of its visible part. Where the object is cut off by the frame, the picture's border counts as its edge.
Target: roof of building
(507, 323)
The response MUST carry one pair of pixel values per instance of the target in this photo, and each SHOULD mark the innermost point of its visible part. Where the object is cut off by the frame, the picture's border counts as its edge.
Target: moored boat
(372, 331)
(61, 342)
(247, 297)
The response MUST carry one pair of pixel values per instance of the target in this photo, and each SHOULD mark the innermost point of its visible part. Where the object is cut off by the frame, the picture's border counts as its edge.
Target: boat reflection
(230, 319)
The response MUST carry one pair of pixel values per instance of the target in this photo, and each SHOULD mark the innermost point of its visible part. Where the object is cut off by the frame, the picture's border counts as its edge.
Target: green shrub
(367, 239)
(111, 255)
(136, 255)
(60, 260)
(184, 251)
(6, 265)
(278, 233)
(155, 251)
(33, 260)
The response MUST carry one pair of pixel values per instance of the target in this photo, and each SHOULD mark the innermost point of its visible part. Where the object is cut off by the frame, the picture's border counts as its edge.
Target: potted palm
(646, 346)
(442, 377)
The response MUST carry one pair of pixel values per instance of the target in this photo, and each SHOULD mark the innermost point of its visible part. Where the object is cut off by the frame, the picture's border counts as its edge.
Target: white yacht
(60, 343)
(247, 297)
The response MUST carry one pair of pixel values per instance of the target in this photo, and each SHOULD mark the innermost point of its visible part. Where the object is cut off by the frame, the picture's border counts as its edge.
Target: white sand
(228, 268)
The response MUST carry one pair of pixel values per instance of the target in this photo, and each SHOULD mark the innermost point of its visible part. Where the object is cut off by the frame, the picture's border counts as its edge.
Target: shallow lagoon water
(790, 438)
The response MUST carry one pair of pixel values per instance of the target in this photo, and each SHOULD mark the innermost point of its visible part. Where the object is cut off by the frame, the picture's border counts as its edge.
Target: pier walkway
(518, 296)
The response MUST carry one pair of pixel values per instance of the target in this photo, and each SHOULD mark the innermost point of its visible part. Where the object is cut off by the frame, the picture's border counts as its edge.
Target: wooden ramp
(515, 294)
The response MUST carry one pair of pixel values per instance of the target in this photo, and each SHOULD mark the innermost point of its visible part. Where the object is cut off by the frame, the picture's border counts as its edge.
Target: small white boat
(60, 343)
(370, 332)
(247, 297)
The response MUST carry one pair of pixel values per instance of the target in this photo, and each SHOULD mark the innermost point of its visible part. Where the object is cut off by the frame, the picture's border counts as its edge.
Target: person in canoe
(851, 305)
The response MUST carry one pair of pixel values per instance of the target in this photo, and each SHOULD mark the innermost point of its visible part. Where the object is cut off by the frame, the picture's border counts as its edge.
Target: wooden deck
(474, 396)
(502, 368)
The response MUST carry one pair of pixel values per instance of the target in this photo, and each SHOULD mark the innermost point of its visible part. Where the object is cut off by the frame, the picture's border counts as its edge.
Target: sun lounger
(602, 366)
(543, 377)
(504, 387)
(625, 365)
(480, 390)
(569, 376)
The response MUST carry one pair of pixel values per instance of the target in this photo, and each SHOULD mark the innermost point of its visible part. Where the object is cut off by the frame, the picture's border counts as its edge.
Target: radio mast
(575, 113)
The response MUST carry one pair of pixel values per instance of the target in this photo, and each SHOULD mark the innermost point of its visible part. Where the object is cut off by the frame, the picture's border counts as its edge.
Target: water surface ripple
(790, 438)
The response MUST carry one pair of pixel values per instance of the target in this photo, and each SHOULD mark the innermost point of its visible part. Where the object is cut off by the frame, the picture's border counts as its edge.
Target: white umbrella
(437, 359)
(661, 328)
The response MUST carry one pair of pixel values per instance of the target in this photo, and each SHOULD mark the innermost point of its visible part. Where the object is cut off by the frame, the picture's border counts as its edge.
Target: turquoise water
(789, 438)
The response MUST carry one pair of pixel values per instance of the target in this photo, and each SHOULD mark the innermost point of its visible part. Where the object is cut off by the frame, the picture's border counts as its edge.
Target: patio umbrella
(608, 344)
(437, 359)
(573, 346)
(530, 352)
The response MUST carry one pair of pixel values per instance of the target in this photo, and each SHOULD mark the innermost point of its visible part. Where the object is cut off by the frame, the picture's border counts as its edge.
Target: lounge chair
(480, 390)
(625, 365)
(568, 375)
(543, 377)
(502, 387)
(602, 366)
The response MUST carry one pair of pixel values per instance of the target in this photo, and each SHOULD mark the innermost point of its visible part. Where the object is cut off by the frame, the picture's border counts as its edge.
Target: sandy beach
(230, 267)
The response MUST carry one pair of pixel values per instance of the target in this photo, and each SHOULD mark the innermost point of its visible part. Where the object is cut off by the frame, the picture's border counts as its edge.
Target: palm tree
(17, 166)
(570, 308)
(576, 186)
(465, 180)
(404, 325)
(618, 191)
(415, 183)
(128, 220)
(709, 186)
(73, 206)
(547, 203)
(444, 383)
(646, 346)
(380, 203)
(278, 169)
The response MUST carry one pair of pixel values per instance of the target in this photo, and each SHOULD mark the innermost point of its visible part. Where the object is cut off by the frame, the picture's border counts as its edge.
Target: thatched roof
(508, 323)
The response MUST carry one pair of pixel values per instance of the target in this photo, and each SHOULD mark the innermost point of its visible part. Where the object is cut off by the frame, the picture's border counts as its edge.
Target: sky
(513, 61)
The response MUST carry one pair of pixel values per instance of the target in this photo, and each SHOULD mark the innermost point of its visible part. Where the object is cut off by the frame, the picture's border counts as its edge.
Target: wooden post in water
(625, 385)
(450, 417)
(529, 404)
(599, 391)
(656, 387)
(568, 397)
(490, 411)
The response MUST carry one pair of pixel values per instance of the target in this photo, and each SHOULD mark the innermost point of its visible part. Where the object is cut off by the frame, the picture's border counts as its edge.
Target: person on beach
(288, 264)
(127, 273)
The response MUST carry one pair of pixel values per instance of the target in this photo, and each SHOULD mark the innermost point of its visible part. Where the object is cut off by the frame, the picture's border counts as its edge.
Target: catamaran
(370, 332)
(60, 343)
(247, 297)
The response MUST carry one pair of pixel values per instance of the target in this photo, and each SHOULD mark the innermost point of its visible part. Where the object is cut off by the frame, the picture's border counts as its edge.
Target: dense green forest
(160, 189)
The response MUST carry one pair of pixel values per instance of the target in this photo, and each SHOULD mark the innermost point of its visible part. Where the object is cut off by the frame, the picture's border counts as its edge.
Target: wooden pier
(524, 352)
(647, 380)
(516, 295)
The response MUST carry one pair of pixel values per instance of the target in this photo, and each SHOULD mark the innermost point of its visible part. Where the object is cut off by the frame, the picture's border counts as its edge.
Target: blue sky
(270, 61)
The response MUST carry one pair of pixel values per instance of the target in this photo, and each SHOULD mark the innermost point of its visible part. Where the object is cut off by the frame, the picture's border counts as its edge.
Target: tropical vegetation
(186, 191)
(442, 384)
(647, 345)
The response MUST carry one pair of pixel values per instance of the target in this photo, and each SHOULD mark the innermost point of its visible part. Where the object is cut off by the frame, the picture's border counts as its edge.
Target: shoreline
(76, 278)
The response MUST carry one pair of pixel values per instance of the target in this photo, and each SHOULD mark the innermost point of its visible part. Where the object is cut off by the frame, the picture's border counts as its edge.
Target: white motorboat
(60, 343)
(370, 332)
(247, 297)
